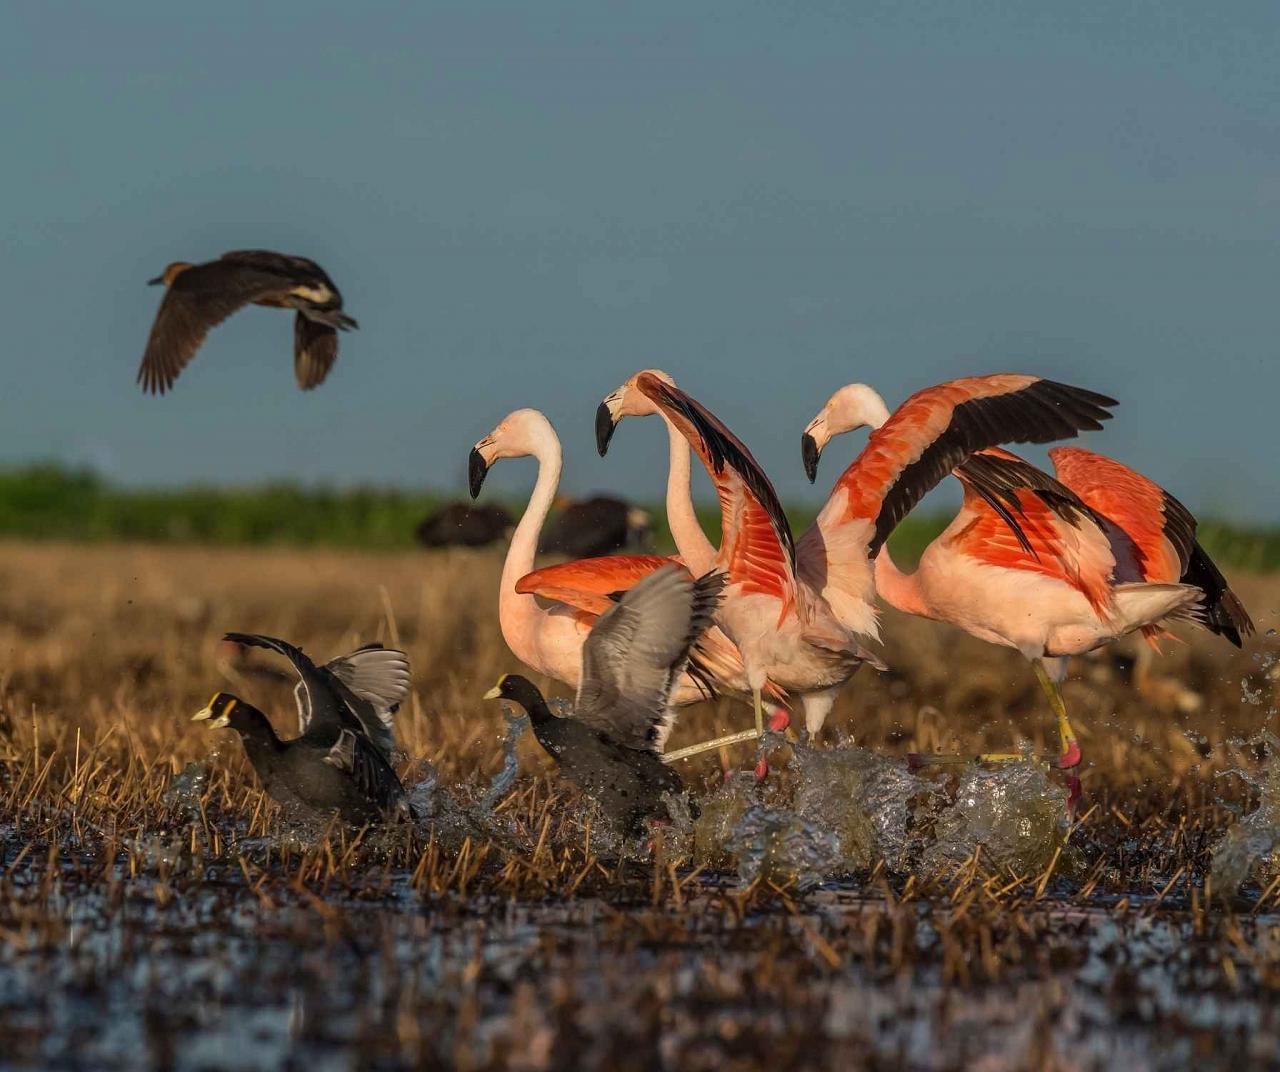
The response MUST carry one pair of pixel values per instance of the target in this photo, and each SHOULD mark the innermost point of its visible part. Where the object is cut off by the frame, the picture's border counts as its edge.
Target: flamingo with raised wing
(698, 552)
(1089, 559)
(797, 610)
(547, 614)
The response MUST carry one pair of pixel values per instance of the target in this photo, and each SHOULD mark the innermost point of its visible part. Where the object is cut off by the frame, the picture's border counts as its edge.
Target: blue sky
(525, 203)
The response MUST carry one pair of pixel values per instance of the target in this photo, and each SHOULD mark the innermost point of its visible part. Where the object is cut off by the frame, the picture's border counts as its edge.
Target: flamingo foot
(1070, 755)
(1074, 793)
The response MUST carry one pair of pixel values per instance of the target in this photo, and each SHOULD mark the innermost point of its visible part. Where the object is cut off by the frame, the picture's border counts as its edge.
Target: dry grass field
(154, 909)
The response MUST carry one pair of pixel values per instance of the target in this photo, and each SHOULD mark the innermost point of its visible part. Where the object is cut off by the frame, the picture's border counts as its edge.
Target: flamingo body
(908, 452)
(797, 610)
(1052, 567)
(546, 615)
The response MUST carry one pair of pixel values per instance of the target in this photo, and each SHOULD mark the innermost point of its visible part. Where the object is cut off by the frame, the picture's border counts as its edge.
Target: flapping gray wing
(369, 684)
(378, 678)
(303, 665)
(637, 649)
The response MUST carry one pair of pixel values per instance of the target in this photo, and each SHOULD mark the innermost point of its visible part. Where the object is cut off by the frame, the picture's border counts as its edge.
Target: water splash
(720, 813)
(777, 846)
(1249, 695)
(188, 787)
(1251, 848)
(1013, 815)
(678, 834)
(868, 800)
(505, 778)
(422, 793)
(436, 807)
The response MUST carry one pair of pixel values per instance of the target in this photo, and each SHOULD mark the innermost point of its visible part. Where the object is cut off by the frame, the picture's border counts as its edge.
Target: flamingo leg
(917, 760)
(1070, 755)
(706, 746)
(1066, 759)
(719, 742)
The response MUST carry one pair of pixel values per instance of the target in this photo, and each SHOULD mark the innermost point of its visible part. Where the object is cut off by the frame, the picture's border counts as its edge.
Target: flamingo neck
(686, 529)
(900, 590)
(516, 612)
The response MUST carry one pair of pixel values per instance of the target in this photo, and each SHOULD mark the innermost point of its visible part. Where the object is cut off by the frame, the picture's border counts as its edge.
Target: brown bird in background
(201, 296)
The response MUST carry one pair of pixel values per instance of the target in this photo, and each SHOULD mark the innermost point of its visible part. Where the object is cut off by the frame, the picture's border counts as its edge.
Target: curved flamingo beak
(605, 426)
(477, 470)
(810, 452)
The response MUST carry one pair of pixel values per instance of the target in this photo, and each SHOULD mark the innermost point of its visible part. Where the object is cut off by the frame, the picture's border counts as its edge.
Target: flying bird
(199, 297)
(1089, 557)
(631, 660)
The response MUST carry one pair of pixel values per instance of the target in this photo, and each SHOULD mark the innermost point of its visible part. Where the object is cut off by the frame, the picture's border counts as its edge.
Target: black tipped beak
(604, 428)
(810, 453)
(155, 282)
(477, 470)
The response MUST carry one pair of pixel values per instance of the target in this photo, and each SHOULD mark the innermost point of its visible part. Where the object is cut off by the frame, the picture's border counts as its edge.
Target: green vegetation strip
(52, 502)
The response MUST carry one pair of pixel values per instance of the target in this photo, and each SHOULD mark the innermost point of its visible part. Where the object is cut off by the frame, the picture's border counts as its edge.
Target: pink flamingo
(697, 552)
(1098, 555)
(546, 614)
(797, 610)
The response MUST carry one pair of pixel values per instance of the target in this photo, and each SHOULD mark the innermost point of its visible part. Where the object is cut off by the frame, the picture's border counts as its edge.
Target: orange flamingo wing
(757, 548)
(937, 428)
(1161, 528)
(1055, 534)
(588, 584)
(1163, 532)
(589, 587)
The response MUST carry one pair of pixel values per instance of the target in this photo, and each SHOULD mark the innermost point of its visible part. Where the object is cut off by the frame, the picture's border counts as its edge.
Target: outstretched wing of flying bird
(315, 349)
(196, 301)
(283, 264)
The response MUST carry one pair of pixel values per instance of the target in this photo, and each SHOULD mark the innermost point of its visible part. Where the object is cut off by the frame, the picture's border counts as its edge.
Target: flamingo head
(853, 406)
(626, 401)
(518, 435)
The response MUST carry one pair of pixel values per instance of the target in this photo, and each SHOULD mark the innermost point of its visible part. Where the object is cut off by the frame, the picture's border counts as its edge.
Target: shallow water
(192, 965)
(1250, 850)
(219, 978)
(826, 813)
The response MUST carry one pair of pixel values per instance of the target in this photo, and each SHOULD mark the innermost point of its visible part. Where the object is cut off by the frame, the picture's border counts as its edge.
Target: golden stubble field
(151, 917)
(120, 644)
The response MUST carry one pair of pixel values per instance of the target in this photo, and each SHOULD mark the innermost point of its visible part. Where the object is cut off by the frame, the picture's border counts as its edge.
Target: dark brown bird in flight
(201, 296)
